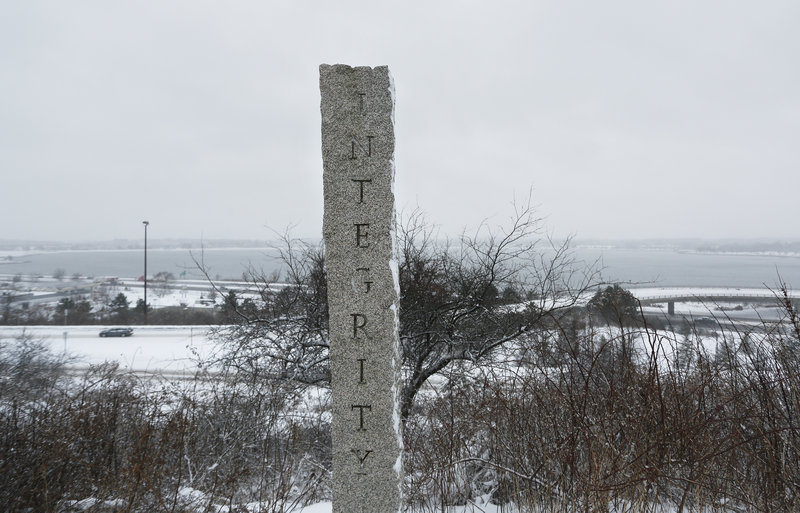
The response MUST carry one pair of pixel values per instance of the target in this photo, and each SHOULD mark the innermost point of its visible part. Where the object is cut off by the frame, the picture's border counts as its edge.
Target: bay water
(645, 267)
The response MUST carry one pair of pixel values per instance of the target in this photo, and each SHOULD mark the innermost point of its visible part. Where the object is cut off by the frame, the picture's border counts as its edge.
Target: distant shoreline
(9, 257)
(779, 254)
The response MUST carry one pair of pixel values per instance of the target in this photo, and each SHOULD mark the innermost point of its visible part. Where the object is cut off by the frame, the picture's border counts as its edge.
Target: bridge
(652, 295)
(672, 295)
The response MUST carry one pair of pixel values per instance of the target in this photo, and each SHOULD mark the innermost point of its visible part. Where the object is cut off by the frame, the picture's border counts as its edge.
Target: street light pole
(145, 223)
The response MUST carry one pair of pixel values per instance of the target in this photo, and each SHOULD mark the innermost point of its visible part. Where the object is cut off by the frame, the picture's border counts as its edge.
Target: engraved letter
(362, 233)
(367, 151)
(360, 281)
(361, 370)
(361, 414)
(361, 102)
(361, 188)
(356, 325)
(361, 460)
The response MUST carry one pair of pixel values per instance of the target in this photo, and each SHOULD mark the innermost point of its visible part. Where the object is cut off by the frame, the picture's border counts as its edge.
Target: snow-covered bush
(109, 441)
(670, 426)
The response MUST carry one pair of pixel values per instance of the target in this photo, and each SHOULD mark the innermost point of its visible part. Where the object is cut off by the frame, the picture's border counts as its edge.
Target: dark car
(117, 332)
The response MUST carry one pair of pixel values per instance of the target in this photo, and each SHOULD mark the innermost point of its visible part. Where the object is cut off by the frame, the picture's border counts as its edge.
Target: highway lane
(151, 349)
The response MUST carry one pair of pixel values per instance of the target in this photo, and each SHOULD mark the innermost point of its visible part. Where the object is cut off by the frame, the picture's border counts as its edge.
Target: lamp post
(145, 223)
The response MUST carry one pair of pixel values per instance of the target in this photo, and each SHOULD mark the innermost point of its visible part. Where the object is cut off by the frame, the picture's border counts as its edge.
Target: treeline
(129, 244)
(777, 247)
(79, 310)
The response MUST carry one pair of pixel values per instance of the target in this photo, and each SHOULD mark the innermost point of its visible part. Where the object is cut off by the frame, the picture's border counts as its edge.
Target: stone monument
(363, 292)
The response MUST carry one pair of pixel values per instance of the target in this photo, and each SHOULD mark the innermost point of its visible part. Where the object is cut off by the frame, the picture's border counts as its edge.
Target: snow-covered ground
(163, 349)
(100, 291)
(175, 349)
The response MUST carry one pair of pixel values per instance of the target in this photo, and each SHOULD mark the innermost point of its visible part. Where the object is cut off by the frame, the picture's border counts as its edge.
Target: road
(163, 349)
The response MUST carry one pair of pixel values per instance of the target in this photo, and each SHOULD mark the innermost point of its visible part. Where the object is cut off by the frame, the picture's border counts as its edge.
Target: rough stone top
(325, 66)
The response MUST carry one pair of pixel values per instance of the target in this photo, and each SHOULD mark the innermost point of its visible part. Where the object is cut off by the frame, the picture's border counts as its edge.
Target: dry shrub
(618, 420)
(107, 441)
(584, 418)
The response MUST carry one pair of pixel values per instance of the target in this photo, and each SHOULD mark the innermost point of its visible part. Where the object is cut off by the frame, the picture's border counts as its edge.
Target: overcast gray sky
(625, 118)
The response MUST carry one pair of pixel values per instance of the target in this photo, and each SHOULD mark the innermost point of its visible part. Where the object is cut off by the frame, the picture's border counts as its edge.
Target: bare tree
(460, 300)
(162, 283)
(455, 301)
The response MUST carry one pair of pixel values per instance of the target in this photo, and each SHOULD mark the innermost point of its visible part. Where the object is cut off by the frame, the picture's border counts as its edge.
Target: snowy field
(152, 349)
(175, 350)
